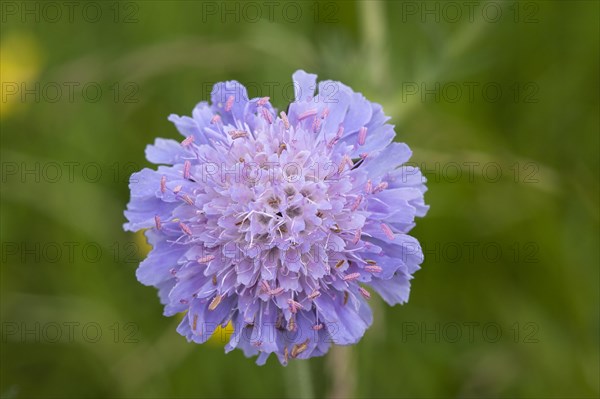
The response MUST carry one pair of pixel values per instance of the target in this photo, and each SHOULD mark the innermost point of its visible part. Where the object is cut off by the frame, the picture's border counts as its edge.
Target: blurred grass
(171, 55)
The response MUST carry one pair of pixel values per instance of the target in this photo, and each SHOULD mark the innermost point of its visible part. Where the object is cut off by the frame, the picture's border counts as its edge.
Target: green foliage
(539, 294)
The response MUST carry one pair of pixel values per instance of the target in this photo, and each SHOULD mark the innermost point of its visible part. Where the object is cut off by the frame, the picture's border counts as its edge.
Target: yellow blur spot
(222, 335)
(20, 62)
(142, 243)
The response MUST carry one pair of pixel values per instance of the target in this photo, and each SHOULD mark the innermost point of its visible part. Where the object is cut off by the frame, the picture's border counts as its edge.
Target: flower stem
(299, 379)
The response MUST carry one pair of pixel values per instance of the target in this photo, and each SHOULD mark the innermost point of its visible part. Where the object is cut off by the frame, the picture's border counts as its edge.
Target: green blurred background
(499, 101)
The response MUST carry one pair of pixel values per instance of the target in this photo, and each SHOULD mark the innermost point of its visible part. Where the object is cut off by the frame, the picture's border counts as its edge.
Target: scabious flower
(281, 224)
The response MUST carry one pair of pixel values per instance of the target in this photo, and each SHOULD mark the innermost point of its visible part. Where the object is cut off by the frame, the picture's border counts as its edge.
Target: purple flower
(279, 223)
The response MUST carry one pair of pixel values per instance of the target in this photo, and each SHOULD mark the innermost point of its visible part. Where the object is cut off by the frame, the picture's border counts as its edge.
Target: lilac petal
(196, 285)
(377, 139)
(359, 113)
(237, 323)
(203, 114)
(410, 178)
(144, 205)
(163, 292)
(409, 200)
(395, 290)
(345, 323)
(187, 126)
(167, 152)
(404, 248)
(387, 159)
(304, 85)
(378, 117)
(203, 322)
(337, 98)
(163, 257)
(253, 116)
(400, 214)
(229, 99)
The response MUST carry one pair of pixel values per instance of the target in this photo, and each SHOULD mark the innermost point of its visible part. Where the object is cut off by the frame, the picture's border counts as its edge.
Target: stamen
(388, 232)
(357, 236)
(215, 119)
(351, 276)
(177, 189)
(306, 114)
(163, 184)
(276, 291)
(314, 295)
(282, 147)
(316, 125)
(236, 134)
(195, 323)
(292, 324)
(362, 135)
(357, 202)
(185, 228)
(284, 118)
(337, 137)
(186, 169)
(294, 306)
(265, 286)
(187, 199)
(189, 140)
(214, 279)
(263, 101)
(317, 327)
(285, 354)
(339, 263)
(369, 186)
(267, 115)
(183, 301)
(205, 259)
(345, 160)
(380, 187)
(373, 269)
(157, 222)
(325, 113)
(298, 349)
(215, 302)
(229, 103)
(364, 293)
(349, 161)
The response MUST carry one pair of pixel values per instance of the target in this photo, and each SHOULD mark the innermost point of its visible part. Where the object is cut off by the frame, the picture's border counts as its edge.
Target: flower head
(282, 224)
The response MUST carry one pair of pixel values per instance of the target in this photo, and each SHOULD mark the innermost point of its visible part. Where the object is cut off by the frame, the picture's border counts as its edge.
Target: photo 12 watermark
(272, 11)
(470, 92)
(480, 252)
(69, 12)
(490, 12)
(67, 332)
(473, 172)
(469, 332)
(70, 92)
(71, 172)
(72, 252)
